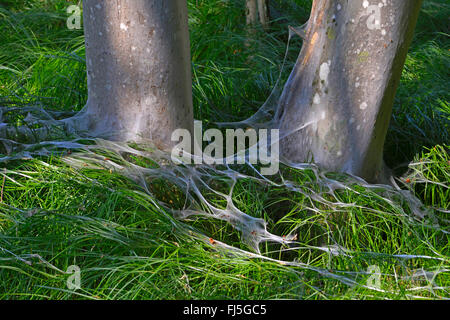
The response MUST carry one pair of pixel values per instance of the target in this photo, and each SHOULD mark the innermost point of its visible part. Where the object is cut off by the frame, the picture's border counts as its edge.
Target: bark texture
(337, 104)
(139, 70)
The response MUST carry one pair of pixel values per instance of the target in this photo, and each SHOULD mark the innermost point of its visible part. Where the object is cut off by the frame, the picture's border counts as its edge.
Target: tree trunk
(138, 65)
(252, 12)
(336, 105)
(263, 9)
(257, 9)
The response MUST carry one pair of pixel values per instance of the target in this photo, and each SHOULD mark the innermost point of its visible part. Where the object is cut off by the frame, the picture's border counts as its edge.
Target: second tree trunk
(337, 102)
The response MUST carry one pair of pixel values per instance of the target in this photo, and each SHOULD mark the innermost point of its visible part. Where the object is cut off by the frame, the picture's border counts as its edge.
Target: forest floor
(127, 246)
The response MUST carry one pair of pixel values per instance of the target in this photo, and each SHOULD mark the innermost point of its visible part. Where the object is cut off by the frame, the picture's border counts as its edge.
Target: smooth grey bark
(337, 103)
(139, 69)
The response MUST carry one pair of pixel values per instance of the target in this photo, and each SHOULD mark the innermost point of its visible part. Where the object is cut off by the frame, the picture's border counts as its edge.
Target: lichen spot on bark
(324, 72)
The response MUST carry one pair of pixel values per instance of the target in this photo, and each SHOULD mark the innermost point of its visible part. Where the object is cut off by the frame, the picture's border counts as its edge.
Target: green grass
(129, 246)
